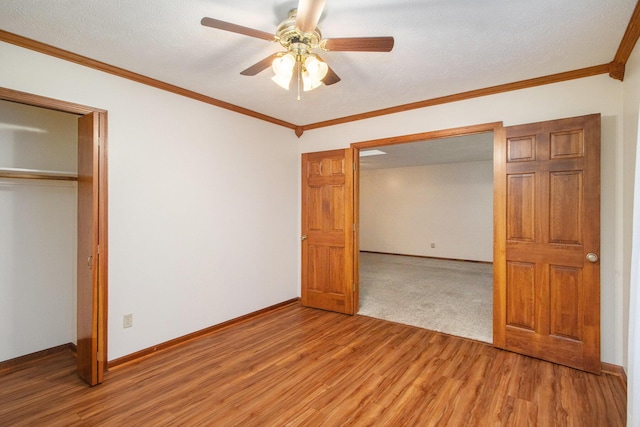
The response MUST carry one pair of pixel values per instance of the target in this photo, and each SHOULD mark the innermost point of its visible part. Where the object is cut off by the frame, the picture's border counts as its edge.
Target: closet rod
(37, 174)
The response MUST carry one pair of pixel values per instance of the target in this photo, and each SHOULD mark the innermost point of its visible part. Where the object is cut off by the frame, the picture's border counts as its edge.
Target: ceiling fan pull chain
(299, 73)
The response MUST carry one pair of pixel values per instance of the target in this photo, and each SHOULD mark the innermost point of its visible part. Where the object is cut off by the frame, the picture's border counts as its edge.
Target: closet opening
(53, 205)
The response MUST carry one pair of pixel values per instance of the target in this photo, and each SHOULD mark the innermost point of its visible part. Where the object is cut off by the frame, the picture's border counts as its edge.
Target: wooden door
(356, 228)
(547, 235)
(328, 231)
(90, 348)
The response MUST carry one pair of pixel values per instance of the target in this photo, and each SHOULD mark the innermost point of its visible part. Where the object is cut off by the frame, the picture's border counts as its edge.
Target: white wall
(38, 223)
(202, 202)
(404, 210)
(597, 94)
(631, 95)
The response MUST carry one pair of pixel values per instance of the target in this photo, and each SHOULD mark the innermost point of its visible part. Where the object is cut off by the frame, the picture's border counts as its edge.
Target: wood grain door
(547, 240)
(90, 350)
(328, 231)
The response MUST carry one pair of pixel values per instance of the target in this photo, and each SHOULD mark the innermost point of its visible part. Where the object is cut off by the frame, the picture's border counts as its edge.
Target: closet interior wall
(38, 217)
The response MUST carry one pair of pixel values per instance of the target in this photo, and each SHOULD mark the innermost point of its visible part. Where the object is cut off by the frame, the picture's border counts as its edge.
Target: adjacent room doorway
(426, 234)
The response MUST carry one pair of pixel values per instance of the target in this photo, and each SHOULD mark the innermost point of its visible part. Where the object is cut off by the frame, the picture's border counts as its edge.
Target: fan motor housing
(291, 38)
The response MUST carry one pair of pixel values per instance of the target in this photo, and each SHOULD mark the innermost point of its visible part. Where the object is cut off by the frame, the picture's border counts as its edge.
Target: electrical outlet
(127, 320)
(433, 245)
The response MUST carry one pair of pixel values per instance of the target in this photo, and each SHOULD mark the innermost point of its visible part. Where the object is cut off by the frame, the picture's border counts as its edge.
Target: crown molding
(628, 42)
(522, 84)
(37, 46)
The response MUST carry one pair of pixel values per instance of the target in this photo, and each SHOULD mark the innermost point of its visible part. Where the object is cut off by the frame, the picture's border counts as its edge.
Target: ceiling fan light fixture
(283, 68)
(282, 81)
(313, 72)
(317, 69)
(308, 83)
(299, 36)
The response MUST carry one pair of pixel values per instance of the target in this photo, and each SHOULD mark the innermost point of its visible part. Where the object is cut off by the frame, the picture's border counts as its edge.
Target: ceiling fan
(299, 36)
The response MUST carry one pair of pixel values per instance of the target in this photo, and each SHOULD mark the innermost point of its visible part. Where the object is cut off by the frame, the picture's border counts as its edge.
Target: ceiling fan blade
(308, 14)
(359, 44)
(260, 65)
(331, 76)
(227, 26)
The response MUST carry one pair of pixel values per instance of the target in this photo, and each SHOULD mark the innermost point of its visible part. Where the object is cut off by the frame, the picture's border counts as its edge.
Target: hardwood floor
(300, 366)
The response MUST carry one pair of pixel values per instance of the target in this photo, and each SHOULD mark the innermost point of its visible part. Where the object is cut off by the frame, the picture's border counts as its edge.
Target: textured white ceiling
(441, 47)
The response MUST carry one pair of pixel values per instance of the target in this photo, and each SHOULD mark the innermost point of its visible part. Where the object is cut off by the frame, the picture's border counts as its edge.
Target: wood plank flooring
(300, 366)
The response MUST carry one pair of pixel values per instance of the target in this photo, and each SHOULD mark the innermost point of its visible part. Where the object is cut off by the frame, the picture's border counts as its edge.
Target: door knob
(592, 257)
(304, 237)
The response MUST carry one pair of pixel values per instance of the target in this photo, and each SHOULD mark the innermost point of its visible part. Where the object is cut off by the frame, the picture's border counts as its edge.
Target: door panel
(328, 227)
(520, 295)
(565, 284)
(565, 205)
(547, 210)
(521, 214)
(90, 365)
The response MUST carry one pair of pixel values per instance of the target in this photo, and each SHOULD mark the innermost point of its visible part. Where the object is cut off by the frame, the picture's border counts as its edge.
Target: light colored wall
(404, 210)
(597, 94)
(202, 202)
(38, 237)
(631, 96)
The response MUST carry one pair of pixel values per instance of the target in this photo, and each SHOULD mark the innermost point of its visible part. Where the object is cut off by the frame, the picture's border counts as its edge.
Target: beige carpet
(454, 297)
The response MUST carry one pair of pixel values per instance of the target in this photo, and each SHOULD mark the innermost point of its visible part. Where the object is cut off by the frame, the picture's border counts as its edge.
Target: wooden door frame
(100, 298)
(495, 127)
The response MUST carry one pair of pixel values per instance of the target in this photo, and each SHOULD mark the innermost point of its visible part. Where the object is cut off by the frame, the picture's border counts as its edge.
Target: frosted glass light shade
(309, 83)
(314, 71)
(283, 68)
(317, 69)
(311, 70)
(283, 81)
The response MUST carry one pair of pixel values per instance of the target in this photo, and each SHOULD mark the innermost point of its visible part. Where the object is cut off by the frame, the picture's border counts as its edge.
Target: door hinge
(354, 166)
(354, 227)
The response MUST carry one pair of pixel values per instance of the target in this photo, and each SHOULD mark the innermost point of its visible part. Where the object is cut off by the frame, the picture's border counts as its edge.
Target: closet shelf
(37, 174)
